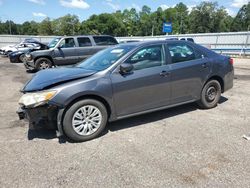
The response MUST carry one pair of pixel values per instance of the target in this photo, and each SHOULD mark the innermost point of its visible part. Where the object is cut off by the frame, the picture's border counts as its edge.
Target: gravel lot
(179, 147)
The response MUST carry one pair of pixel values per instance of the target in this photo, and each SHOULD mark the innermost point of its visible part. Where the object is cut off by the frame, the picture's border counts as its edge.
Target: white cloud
(239, 3)
(231, 12)
(190, 7)
(112, 5)
(74, 4)
(164, 7)
(135, 6)
(40, 2)
(39, 14)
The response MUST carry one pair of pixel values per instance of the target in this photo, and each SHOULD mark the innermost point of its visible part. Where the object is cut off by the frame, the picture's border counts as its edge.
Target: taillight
(231, 61)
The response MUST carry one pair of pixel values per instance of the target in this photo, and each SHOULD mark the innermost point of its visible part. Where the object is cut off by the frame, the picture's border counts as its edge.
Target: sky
(26, 10)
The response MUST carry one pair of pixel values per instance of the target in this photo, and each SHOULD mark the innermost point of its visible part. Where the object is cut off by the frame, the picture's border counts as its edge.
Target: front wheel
(85, 120)
(21, 58)
(43, 63)
(210, 94)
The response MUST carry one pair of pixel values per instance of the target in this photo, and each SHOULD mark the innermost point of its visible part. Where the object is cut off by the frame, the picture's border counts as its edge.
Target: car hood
(37, 52)
(19, 52)
(51, 77)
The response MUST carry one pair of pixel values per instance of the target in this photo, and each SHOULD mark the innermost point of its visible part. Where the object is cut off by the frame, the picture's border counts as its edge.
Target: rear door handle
(164, 74)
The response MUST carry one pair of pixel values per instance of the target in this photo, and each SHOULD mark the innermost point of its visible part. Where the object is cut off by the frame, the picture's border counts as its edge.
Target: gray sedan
(124, 81)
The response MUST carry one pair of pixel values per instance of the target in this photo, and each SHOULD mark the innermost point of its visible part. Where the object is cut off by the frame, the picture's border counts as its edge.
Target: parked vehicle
(183, 39)
(172, 38)
(123, 81)
(18, 56)
(188, 39)
(2, 49)
(67, 51)
(22, 46)
(129, 41)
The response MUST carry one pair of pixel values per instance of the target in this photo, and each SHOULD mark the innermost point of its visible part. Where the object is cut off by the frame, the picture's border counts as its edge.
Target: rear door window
(84, 41)
(181, 52)
(104, 40)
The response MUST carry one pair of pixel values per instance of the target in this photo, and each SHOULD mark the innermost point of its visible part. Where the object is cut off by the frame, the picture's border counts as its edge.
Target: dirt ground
(178, 147)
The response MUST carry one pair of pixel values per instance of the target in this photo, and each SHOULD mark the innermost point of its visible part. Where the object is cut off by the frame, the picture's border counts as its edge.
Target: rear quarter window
(104, 40)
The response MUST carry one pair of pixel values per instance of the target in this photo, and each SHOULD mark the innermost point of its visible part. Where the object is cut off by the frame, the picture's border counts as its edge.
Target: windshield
(105, 58)
(53, 43)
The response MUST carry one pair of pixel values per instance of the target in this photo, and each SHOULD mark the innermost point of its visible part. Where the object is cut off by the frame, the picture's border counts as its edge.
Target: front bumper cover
(40, 117)
(30, 65)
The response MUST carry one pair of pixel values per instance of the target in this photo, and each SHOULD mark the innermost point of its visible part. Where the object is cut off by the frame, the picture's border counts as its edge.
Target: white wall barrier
(232, 43)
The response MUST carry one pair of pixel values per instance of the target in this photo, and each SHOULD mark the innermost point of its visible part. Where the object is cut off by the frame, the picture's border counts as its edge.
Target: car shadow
(222, 100)
(31, 71)
(155, 116)
(124, 123)
(45, 134)
(151, 117)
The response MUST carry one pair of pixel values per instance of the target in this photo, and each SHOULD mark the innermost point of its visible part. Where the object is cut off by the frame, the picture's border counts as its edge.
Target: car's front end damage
(39, 117)
(28, 61)
(38, 110)
(42, 102)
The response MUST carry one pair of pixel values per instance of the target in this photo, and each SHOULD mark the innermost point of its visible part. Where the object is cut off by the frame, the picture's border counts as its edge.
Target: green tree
(221, 21)
(170, 15)
(29, 28)
(103, 24)
(145, 22)
(205, 17)
(45, 27)
(181, 18)
(131, 20)
(201, 17)
(242, 20)
(66, 25)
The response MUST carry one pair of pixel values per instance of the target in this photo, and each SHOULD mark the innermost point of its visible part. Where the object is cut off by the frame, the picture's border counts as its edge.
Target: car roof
(142, 43)
(85, 36)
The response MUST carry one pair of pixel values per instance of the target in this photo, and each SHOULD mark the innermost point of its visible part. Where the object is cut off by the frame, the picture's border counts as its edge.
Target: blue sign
(167, 27)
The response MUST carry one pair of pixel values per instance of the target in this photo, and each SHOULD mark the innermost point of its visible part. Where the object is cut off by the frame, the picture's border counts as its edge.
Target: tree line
(206, 17)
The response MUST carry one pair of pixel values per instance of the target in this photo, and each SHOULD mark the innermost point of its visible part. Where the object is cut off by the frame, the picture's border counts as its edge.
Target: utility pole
(9, 26)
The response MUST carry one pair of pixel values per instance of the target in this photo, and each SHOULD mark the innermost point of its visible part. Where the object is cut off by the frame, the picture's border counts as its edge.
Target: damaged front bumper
(29, 65)
(46, 116)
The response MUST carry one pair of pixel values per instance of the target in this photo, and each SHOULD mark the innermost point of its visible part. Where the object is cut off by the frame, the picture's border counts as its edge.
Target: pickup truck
(67, 51)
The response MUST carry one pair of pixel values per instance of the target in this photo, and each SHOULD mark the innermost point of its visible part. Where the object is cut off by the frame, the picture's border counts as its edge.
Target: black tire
(69, 115)
(210, 94)
(21, 58)
(43, 63)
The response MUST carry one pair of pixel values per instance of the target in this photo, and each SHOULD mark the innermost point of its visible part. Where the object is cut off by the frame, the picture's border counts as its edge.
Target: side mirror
(126, 68)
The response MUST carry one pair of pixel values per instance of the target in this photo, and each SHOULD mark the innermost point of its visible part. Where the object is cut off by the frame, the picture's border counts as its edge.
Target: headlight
(28, 56)
(36, 99)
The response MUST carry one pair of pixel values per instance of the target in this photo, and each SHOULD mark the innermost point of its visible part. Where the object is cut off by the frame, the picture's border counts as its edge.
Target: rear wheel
(43, 63)
(210, 94)
(85, 120)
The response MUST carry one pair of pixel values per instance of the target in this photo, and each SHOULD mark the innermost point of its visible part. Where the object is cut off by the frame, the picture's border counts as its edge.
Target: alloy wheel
(86, 120)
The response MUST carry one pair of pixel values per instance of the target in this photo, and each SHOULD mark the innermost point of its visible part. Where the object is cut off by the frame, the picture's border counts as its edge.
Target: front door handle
(164, 74)
(204, 65)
